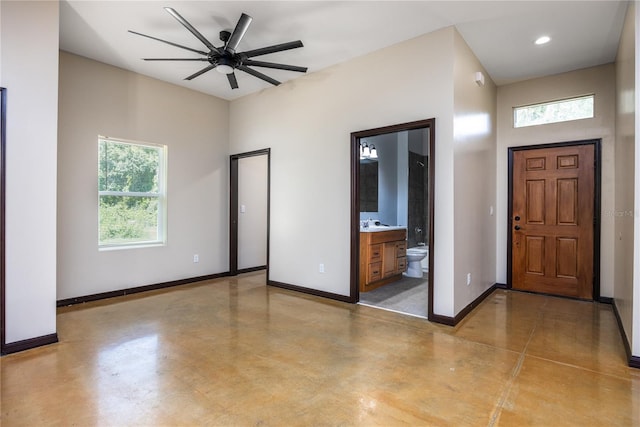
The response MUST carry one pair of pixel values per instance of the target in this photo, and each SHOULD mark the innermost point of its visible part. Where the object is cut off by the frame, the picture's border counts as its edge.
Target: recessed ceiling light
(543, 40)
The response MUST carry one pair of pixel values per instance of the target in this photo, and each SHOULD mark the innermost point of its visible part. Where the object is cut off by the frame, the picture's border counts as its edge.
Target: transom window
(554, 112)
(131, 193)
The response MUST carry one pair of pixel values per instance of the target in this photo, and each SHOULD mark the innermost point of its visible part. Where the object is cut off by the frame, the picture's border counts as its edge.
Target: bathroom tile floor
(408, 295)
(235, 352)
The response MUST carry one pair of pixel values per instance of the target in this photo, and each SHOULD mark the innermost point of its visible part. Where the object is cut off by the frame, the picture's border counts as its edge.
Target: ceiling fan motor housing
(225, 60)
(224, 35)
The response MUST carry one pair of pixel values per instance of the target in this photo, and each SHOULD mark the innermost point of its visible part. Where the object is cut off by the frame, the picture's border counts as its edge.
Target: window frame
(552, 102)
(161, 196)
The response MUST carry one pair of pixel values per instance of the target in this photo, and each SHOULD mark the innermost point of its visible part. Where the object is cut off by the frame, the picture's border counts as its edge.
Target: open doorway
(392, 183)
(249, 211)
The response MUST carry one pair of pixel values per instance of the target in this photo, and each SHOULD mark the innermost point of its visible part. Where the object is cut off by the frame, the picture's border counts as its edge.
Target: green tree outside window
(130, 192)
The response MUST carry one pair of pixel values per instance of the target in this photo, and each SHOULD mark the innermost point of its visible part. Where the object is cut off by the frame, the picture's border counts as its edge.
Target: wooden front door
(552, 242)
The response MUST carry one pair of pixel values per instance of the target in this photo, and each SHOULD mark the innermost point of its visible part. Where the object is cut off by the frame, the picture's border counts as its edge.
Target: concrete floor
(235, 352)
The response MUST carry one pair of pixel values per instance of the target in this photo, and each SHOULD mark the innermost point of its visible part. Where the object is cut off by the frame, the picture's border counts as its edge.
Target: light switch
(242, 208)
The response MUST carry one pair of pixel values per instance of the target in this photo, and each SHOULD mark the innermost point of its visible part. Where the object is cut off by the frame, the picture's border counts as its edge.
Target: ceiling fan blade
(258, 74)
(193, 31)
(170, 43)
(232, 80)
(272, 49)
(238, 33)
(199, 73)
(175, 59)
(253, 63)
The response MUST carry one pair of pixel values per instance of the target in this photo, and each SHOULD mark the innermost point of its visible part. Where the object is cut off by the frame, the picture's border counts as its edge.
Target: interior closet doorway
(392, 193)
(249, 211)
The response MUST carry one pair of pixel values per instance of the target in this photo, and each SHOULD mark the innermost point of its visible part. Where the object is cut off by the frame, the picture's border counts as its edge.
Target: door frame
(3, 186)
(597, 185)
(354, 295)
(233, 209)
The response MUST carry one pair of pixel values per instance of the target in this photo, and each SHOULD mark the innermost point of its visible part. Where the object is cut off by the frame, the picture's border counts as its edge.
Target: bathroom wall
(387, 179)
(418, 188)
(397, 207)
(417, 200)
(402, 189)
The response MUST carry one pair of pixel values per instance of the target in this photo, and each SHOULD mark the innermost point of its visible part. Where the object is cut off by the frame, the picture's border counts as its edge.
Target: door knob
(517, 227)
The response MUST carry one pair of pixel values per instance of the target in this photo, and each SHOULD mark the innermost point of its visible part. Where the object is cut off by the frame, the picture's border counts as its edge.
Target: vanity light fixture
(368, 151)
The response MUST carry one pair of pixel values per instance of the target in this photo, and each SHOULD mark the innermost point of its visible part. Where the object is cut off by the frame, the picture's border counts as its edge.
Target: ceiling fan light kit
(225, 59)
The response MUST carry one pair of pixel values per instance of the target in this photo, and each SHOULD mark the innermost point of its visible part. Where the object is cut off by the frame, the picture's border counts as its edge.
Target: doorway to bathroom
(392, 189)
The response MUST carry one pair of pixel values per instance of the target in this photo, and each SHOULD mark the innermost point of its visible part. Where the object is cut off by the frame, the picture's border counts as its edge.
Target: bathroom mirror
(368, 186)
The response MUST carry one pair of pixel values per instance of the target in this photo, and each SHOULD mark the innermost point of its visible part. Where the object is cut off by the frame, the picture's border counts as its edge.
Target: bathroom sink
(375, 228)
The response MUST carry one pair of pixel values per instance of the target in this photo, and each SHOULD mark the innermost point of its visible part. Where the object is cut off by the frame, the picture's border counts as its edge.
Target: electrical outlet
(321, 268)
(196, 258)
(468, 279)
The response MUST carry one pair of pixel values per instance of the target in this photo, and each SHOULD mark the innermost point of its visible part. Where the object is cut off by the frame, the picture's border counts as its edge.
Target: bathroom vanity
(383, 256)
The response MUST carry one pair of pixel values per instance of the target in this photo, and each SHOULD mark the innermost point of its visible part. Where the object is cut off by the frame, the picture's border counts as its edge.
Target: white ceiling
(501, 33)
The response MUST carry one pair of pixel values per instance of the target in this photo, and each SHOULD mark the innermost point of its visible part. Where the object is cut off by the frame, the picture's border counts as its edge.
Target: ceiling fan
(225, 59)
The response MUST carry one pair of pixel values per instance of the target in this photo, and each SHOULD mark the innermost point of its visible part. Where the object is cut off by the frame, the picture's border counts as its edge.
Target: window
(131, 193)
(554, 112)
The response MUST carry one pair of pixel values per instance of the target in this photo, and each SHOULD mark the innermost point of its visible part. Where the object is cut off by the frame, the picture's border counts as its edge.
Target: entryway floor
(233, 351)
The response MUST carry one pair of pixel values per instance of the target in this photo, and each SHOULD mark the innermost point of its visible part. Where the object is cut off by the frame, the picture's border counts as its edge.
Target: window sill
(115, 247)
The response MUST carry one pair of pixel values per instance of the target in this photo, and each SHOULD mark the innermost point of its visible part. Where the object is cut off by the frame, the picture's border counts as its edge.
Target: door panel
(553, 217)
(389, 259)
(535, 255)
(567, 201)
(567, 257)
(536, 199)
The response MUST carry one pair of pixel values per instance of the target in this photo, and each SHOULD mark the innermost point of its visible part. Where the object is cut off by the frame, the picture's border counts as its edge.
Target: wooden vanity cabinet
(383, 258)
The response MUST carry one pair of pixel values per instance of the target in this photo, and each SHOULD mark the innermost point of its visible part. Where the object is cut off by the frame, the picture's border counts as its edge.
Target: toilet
(414, 260)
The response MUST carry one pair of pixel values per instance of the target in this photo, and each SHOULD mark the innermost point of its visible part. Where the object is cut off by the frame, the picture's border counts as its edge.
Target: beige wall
(29, 58)
(597, 80)
(475, 177)
(307, 123)
(624, 170)
(97, 99)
